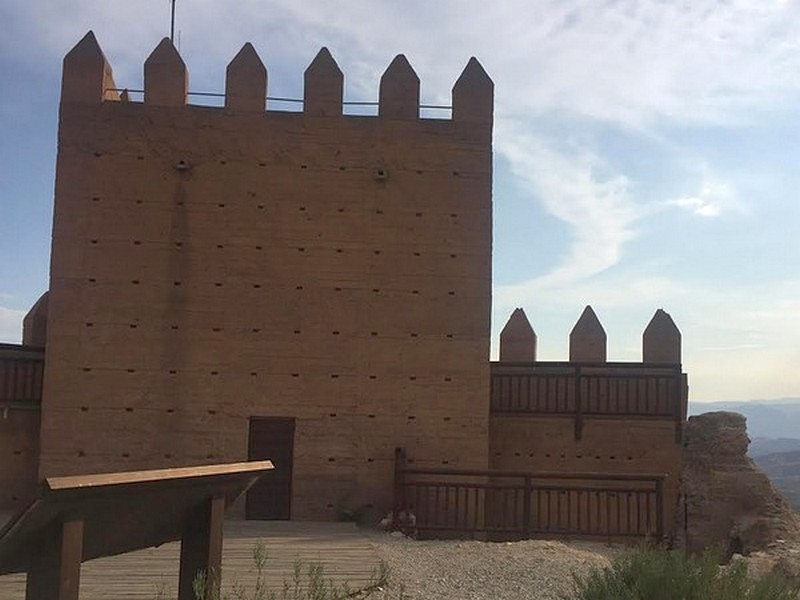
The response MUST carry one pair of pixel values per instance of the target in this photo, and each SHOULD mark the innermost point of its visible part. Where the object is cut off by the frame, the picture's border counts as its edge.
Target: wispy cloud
(713, 199)
(622, 292)
(734, 348)
(572, 186)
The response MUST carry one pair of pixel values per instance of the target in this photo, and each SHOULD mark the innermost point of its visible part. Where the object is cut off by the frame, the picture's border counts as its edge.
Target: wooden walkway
(344, 552)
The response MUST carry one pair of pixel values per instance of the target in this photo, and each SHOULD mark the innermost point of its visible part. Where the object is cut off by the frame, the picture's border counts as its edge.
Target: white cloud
(713, 198)
(622, 292)
(11, 324)
(698, 205)
(733, 348)
(572, 187)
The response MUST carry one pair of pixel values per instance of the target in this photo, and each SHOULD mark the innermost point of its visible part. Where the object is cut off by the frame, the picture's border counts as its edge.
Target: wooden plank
(153, 475)
(346, 556)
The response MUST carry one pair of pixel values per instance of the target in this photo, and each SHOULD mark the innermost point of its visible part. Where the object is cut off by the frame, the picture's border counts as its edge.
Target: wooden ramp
(344, 552)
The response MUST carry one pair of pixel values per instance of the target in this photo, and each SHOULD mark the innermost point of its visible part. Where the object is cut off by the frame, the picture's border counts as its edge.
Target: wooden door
(271, 496)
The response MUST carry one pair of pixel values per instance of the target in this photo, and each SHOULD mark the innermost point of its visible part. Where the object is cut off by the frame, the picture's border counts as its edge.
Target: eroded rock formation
(727, 502)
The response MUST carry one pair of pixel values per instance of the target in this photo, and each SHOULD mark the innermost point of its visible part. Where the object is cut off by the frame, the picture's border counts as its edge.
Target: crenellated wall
(588, 415)
(214, 264)
(211, 265)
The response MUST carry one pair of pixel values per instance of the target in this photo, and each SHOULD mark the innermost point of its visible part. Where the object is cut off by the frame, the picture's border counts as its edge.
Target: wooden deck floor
(345, 553)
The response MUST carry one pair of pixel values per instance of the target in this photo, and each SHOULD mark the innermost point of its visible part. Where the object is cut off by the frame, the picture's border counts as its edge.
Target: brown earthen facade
(588, 415)
(219, 271)
(211, 265)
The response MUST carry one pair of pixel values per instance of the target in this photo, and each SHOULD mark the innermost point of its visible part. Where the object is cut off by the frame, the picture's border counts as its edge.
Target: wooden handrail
(584, 391)
(518, 504)
(535, 475)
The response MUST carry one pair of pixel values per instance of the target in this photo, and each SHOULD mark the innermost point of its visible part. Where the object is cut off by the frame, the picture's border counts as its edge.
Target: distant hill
(764, 446)
(783, 468)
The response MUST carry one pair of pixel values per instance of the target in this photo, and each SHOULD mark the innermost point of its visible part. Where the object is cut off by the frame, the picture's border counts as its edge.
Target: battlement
(88, 78)
(661, 340)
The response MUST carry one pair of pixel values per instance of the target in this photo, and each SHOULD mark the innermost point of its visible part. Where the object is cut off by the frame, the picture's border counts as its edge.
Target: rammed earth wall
(214, 264)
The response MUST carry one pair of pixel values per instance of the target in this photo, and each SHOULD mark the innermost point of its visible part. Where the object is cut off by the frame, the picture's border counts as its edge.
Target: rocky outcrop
(727, 502)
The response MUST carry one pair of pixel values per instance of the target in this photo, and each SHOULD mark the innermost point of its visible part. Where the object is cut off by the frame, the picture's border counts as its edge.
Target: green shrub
(652, 574)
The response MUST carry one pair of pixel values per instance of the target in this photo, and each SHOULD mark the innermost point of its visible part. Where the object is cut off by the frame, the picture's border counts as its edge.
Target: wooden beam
(201, 549)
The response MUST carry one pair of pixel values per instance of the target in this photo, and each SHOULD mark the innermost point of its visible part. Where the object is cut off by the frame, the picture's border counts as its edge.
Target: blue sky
(646, 152)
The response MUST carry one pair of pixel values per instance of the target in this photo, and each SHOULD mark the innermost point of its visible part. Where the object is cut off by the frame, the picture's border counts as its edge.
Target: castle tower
(233, 281)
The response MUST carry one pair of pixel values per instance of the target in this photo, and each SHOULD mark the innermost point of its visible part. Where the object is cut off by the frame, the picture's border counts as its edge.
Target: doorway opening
(271, 438)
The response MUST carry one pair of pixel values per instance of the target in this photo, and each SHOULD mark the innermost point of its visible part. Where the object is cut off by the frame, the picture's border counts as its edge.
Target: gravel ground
(458, 570)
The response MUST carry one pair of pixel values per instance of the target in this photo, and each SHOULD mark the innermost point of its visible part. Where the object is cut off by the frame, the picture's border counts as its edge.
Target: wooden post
(660, 508)
(55, 569)
(201, 549)
(399, 488)
(578, 404)
(526, 508)
(680, 403)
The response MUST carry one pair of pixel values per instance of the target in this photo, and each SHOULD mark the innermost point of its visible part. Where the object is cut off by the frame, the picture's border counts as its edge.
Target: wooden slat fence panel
(589, 390)
(21, 374)
(501, 505)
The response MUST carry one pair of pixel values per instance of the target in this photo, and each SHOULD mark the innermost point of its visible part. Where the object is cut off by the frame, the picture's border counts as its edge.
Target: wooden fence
(497, 505)
(21, 372)
(583, 390)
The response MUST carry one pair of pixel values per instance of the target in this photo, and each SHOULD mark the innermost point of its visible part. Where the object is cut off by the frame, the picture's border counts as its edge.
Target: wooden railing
(21, 372)
(503, 506)
(590, 390)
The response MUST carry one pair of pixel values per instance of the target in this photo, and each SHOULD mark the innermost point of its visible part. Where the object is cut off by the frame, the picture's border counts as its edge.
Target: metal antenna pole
(172, 24)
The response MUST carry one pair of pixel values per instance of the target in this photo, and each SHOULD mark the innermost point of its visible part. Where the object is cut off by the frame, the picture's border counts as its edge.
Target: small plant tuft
(307, 582)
